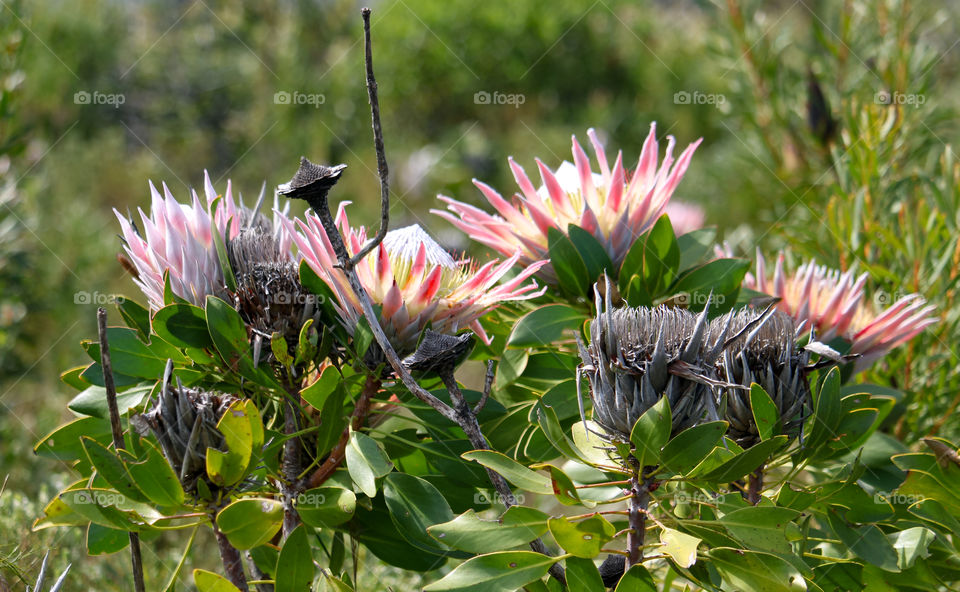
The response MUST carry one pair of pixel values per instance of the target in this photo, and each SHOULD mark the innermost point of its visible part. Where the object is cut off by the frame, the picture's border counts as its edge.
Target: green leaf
(911, 544)
(746, 461)
(590, 445)
(278, 345)
(582, 538)
(326, 506)
(679, 546)
(316, 394)
(111, 468)
(545, 325)
(220, 245)
(688, 448)
(295, 567)
(721, 276)
(755, 571)
(866, 542)
(130, 356)
(156, 478)
(569, 266)
(563, 488)
(228, 468)
(228, 332)
(496, 572)
(592, 253)
(583, 575)
(366, 462)
(362, 337)
(332, 420)
(517, 474)
(636, 579)
(135, 316)
(93, 400)
(518, 526)
(171, 585)
(661, 256)
(547, 419)
(512, 364)
(761, 528)
(764, 410)
(651, 432)
(102, 540)
(695, 245)
(207, 581)
(827, 413)
(64, 442)
(182, 325)
(415, 505)
(250, 522)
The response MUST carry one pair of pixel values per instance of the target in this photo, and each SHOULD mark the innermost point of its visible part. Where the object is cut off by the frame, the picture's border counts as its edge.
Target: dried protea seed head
(638, 355)
(184, 421)
(769, 356)
(269, 295)
(439, 353)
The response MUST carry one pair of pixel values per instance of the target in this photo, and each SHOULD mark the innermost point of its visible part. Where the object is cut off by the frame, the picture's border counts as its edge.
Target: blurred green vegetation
(194, 86)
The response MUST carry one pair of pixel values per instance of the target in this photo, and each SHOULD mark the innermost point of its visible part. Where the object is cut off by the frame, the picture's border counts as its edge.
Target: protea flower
(684, 217)
(834, 305)
(417, 283)
(769, 356)
(613, 205)
(184, 421)
(638, 355)
(177, 239)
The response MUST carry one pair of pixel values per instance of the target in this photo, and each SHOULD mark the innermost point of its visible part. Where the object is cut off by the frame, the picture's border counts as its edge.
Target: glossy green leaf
(722, 277)
(228, 332)
(496, 572)
(761, 528)
(135, 316)
(755, 571)
(911, 545)
(366, 462)
(583, 575)
(592, 253)
(866, 542)
(156, 478)
(545, 325)
(102, 540)
(326, 506)
(827, 414)
(679, 546)
(517, 526)
(592, 448)
(182, 325)
(569, 266)
(93, 400)
(746, 461)
(227, 468)
(517, 474)
(765, 413)
(64, 442)
(316, 394)
(250, 522)
(295, 567)
(695, 245)
(582, 538)
(130, 356)
(651, 432)
(415, 505)
(661, 256)
(688, 448)
(207, 581)
(636, 579)
(111, 468)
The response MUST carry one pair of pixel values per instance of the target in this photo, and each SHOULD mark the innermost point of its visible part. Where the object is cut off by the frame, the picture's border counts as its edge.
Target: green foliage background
(199, 79)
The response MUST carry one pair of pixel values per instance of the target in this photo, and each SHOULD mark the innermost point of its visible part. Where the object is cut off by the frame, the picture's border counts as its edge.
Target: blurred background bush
(827, 128)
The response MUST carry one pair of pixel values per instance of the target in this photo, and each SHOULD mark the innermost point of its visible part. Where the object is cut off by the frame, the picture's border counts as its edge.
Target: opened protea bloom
(638, 355)
(178, 238)
(417, 283)
(613, 205)
(834, 305)
(769, 356)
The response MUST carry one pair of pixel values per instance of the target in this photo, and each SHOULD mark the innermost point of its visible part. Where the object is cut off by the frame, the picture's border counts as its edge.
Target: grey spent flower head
(184, 421)
(638, 355)
(312, 182)
(769, 356)
(269, 295)
(439, 353)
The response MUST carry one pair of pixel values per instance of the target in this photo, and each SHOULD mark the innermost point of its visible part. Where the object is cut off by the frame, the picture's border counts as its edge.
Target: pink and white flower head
(834, 304)
(684, 217)
(417, 282)
(178, 239)
(613, 205)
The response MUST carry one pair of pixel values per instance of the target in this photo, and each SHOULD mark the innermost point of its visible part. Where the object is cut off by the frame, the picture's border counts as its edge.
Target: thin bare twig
(487, 387)
(136, 559)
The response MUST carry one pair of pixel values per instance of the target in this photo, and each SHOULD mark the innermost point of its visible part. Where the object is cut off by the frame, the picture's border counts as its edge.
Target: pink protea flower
(416, 281)
(684, 217)
(178, 239)
(834, 304)
(613, 205)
